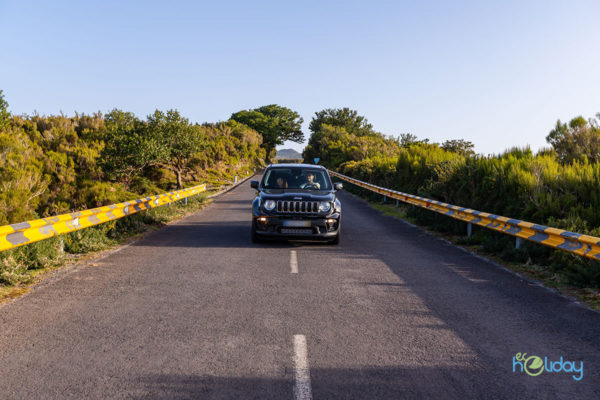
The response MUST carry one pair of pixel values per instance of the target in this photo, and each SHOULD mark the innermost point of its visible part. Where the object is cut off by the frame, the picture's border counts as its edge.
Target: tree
(408, 139)
(4, 114)
(341, 117)
(166, 140)
(334, 146)
(460, 146)
(127, 149)
(275, 123)
(341, 134)
(173, 142)
(579, 140)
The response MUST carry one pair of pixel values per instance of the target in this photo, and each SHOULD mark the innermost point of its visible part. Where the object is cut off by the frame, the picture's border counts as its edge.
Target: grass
(543, 274)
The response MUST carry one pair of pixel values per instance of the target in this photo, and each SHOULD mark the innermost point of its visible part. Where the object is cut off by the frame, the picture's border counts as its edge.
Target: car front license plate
(297, 224)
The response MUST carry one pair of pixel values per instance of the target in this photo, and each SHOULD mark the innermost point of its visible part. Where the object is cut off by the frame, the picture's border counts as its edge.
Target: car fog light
(262, 219)
(330, 220)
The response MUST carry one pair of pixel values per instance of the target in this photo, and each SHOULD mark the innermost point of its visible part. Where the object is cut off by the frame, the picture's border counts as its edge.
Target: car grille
(298, 206)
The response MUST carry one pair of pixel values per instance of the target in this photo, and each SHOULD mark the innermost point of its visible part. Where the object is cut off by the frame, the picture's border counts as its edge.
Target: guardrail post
(235, 179)
(185, 201)
(397, 203)
(469, 229)
(518, 242)
(384, 198)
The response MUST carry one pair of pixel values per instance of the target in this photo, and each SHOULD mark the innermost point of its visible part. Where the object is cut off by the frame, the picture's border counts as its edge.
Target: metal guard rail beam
(22, 233)
(577, 243)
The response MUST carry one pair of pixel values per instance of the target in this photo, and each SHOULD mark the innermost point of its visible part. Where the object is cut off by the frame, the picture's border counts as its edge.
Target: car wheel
(335, 240)
(255, 238)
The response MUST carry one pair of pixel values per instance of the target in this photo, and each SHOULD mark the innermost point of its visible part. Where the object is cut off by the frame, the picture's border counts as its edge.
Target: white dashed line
(302, 389)
(293, 262)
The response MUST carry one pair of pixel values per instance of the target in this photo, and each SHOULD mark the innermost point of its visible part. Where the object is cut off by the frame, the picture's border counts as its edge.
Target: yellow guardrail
(16, 235)
(577, 243)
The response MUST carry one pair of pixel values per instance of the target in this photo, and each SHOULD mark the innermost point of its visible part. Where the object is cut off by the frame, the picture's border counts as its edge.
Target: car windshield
(296, 178)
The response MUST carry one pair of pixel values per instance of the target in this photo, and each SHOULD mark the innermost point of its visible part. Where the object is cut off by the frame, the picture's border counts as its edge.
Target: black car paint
(322, 230)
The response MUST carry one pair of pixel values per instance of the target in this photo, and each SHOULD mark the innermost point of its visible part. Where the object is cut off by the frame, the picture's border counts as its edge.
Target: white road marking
(302, 389)
(293, 262)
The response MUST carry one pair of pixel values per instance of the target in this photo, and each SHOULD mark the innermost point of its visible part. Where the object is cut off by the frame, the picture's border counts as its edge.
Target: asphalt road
(196, 310)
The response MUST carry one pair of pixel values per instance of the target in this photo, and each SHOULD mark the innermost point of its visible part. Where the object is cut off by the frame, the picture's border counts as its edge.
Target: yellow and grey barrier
(577, 243)
(22, 233)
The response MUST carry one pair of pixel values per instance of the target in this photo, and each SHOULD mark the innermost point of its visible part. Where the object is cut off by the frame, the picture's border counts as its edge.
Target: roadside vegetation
(55, 164)
(558, 186)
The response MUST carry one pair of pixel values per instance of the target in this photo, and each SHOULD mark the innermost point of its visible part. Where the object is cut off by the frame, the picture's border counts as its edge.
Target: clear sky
(497, 73)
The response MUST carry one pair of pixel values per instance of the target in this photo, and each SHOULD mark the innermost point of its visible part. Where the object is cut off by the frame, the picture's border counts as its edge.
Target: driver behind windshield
(310, 182)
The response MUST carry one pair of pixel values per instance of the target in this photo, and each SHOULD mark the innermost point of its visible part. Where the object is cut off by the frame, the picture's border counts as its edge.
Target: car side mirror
(338, 186)
(254, 184)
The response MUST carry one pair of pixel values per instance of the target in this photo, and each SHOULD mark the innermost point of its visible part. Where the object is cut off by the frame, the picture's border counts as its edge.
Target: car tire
(254, 235)
(336, 240)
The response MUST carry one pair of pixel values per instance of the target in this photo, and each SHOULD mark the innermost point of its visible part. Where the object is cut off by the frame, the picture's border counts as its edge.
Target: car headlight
(324, 206)
(269, 205)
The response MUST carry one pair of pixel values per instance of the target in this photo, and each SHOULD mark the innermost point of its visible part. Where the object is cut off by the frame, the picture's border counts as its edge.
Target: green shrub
(94, 238)
(15, 263)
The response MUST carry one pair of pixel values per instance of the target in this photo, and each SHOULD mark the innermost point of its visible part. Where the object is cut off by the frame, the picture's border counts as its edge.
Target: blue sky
(496, 73)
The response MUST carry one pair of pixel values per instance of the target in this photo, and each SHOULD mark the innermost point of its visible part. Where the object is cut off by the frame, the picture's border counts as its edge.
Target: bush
(94, 238)
(15, 263)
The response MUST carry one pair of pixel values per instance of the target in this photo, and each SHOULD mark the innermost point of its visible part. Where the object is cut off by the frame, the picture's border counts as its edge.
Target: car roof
(290, 165)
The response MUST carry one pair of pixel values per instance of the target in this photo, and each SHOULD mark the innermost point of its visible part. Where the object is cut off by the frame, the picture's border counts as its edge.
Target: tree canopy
(4, 114)
(460, 146)
(275, 123)
(125, 150)
(579, 140)
(166, 140)
(343, 118)
(408, 139)
(342, 134)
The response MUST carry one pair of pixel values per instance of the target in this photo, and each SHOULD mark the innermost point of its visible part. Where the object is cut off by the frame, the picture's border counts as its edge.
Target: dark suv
(296, 201)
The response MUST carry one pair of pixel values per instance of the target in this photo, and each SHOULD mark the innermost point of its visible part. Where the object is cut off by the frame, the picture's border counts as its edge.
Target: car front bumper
(293, 227)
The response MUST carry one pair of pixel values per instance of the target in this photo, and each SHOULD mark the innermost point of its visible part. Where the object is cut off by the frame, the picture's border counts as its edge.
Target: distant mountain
(288, 154)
